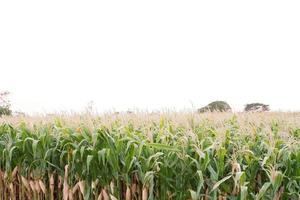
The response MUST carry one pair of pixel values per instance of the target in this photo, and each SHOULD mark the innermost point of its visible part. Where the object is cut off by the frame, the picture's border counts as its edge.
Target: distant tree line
(223, 106)
(215, 106)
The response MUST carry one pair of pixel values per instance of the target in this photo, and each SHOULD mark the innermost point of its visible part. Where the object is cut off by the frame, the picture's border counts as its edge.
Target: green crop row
(163, 160)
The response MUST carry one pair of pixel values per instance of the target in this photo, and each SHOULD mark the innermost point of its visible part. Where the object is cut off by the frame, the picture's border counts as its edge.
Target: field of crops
(169, 156)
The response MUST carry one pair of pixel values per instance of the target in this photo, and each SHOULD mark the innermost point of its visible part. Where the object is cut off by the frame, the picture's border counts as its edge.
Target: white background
(59, 55)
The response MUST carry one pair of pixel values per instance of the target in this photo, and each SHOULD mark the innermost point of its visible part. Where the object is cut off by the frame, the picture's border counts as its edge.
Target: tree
(216, 106)
(4, 104)
(256, 107)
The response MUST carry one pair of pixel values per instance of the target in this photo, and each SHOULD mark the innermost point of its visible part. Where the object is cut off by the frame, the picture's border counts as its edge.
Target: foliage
(256, 107)
(157, 160)
(4, 104)
(216, 106)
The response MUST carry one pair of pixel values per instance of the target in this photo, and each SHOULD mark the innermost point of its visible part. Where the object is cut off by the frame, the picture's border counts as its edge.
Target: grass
(151, 156)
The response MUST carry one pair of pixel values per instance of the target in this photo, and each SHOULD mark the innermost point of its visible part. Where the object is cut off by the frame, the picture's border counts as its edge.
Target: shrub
(4, 104)
(216, 106)
(5, 111)
(256, 107)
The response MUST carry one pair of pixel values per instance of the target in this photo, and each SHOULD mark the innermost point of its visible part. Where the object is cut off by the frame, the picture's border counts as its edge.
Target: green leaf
(244, 192)
(278, 180)
(194, 195)
(217, 184)
(88, 162)
(162, 147)
(262, 191)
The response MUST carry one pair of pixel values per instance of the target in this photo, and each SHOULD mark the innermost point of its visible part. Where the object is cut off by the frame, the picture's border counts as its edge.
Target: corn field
(171, 156)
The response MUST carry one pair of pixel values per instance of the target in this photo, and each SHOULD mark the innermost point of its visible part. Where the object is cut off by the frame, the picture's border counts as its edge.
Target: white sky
(59, 55)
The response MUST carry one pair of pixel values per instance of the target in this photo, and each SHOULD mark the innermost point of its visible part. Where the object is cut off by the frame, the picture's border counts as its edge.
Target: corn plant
(161, 159)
